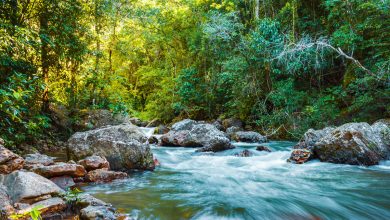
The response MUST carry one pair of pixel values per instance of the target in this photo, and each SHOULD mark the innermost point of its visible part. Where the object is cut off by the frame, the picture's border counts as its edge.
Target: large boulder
(122, 145)
(185, 124)
(9, 161)
(249, 136)
(355, 144)
(206, 136)
(60, 169)
(352, 143)
(28, 187)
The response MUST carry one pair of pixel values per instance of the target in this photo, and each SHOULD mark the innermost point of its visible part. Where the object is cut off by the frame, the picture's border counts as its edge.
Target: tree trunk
(257, 8)
(44, 56)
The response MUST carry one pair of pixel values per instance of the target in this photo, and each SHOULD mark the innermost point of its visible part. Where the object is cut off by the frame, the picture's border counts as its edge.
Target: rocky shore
(106, 153)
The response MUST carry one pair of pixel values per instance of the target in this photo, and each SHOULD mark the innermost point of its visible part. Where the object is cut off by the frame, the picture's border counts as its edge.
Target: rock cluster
(25, 189)
(190, 133)
(352, 143)
(209, 136)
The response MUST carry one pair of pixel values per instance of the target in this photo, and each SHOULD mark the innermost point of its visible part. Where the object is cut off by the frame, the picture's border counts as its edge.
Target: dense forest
(282, 66)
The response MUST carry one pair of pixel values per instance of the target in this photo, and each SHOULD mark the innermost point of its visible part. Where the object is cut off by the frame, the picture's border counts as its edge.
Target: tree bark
(43, 21)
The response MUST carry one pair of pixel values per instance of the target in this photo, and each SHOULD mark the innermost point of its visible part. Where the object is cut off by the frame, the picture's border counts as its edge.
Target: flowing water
(191, 185)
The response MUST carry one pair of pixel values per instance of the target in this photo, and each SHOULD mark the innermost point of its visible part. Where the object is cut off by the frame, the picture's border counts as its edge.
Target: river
(191, 185)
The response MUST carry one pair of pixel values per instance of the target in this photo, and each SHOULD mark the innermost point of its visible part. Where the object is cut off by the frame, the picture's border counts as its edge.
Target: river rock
(60, 169)
(97, 212)
(185, 124)
(37, 159)
(244, 153)
(355, 144)
(263, 148)
(175, 138)
(25, 186)
(122, 145)
(209, 137)
(200, 135)
(94, 162)
(64, 182)
(9, 161)
(249, 136)
(85, 200)
(232, 122)
(104, 175)
(300, 156)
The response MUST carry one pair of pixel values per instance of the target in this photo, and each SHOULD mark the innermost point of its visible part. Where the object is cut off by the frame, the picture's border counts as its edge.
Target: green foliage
(195, 58)
(72, 195)
(34, 213)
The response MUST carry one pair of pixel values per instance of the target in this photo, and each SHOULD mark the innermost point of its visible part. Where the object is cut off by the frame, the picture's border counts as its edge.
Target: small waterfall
(148, 131)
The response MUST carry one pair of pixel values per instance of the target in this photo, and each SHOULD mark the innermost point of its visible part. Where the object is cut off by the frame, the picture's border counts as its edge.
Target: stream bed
(191, 185)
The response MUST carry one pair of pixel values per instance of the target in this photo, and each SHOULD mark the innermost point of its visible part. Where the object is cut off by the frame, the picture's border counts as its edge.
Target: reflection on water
(191, 185)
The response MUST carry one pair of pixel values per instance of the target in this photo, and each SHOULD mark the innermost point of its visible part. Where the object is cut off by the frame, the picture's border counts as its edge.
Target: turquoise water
(191, 185)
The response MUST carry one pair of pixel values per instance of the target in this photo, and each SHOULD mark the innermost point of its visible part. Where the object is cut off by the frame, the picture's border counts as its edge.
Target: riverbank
(194, 160)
